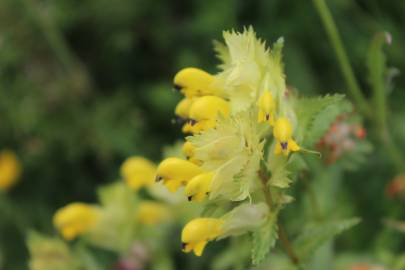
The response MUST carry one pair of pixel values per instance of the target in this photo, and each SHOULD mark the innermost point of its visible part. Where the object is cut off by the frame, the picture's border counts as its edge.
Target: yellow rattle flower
(198, 232)
(283, 134)
(266, 106)
(199, 187)
(194, 82)
(10, 169)
(76, 219)
(150, 213)
(204, 112)
(175, 172)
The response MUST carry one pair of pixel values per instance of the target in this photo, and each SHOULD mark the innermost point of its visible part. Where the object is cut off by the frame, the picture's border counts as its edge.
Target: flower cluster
(231, 116)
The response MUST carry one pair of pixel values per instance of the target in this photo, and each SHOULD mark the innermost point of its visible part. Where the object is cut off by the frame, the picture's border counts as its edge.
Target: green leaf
(315, 116)
(315, 235)
(264, 239)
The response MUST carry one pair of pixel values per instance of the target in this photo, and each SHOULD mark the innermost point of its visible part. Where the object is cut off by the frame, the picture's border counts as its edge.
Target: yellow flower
(204, 112)
(189, 150)
(10, 169)
(76, 219)
(175, 172)
(198, 232)
(150, 212)
(182, 113)
(266, 106)
(194, 82)
(199, 187)
(283, 133)
(138, 172)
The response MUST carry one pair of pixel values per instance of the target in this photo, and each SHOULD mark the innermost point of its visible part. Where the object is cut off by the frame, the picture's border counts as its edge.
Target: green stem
(282, 234)
(345, 67)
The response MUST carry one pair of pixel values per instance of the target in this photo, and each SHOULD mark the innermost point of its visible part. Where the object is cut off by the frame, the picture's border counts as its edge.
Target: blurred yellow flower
(150, 212)
(76, 219)
(138, 172)
(10, 169)
(198, 232)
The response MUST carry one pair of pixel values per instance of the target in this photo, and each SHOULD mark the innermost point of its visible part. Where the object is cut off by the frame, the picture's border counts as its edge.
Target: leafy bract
(264, 238)
(244, 218)
(232, 150)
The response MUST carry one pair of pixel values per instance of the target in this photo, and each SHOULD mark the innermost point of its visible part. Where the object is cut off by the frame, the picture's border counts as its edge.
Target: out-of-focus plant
(125, 223)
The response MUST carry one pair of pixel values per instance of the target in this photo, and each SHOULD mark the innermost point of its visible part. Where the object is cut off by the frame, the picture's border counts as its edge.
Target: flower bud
(150, 212)
(194, 82)
(75, 219)
(283, 134)
(199, 186)
(198, 232)
(266, 106)
(204, 112)
(10, 169)
(175, 172)
(138, 172)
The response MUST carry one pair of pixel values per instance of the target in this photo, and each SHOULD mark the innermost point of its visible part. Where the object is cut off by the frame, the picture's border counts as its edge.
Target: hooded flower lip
(199, 187)
(76, 219)
(182, 109)
(204, 112)
(198, 232)
(283, 134)
(138, 172)
(267, 107)
(175, 172)
(194, 82)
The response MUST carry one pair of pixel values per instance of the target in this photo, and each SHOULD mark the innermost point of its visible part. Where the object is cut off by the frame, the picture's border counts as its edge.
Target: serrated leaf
(315, 115)
(315, 235)
(264, 239)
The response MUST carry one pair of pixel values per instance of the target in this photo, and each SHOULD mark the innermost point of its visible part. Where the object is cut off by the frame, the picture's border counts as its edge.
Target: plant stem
(345, 67)
(285, 242)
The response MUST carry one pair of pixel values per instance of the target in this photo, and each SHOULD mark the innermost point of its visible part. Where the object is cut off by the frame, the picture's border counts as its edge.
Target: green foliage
(314, 235)
(315, 116)
(264, 239)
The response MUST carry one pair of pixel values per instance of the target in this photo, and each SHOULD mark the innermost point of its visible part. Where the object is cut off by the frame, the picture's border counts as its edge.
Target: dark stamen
(183, 245)
(158, 178)
(192, 122)
(190, 198)
(267, 116)
(177, 87)
(284, 145)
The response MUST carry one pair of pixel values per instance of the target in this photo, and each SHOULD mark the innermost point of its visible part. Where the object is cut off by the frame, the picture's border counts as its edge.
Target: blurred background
(85, 84)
